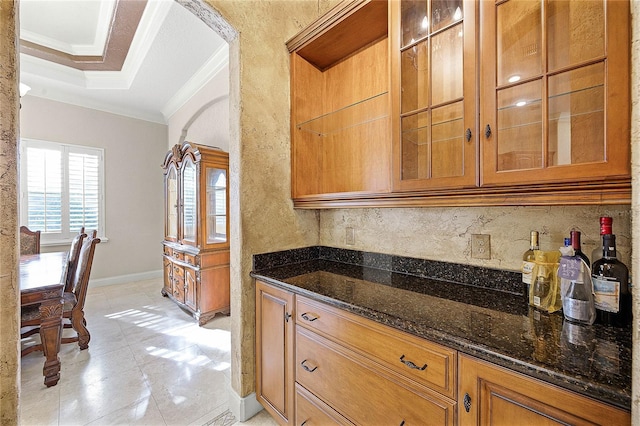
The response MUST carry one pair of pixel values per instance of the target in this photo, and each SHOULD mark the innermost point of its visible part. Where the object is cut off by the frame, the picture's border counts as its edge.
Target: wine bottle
(528, 259)
(575, 243)
(577, 302)
(611, 286)
(606, 228)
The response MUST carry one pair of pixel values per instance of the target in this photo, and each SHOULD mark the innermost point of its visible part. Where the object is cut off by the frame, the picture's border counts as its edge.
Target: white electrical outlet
(350, 237)
(480, 246)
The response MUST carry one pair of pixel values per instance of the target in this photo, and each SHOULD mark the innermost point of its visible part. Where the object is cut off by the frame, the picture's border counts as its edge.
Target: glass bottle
(577, 302)
(528, 259)
(611, 286)
(575, 243)
(606, 228)
(541, 284)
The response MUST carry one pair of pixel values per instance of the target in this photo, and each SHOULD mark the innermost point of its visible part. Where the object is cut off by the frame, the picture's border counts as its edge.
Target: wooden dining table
(42, 285)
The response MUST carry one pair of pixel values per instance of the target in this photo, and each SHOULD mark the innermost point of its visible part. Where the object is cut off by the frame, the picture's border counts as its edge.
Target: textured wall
(635, 204)
(262, 215)
(445, 233)
(9, 359)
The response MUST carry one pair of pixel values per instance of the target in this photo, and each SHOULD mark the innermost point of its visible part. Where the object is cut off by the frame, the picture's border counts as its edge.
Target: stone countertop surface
(494, 325)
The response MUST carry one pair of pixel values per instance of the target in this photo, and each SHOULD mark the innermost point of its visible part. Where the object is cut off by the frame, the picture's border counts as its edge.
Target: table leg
(50, 334)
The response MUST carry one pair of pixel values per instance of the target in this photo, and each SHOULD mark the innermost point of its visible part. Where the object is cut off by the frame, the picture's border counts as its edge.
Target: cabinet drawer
(192, 260)
(427, 363)
(168, 251)
(361, 391)
(178, 271)
(312, 411)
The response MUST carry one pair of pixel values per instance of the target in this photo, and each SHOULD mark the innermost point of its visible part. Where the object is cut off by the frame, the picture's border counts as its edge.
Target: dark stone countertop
(491, 322)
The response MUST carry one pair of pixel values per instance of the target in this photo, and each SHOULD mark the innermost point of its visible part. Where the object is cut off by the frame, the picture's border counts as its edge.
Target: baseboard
(243, 408)
(121, 279)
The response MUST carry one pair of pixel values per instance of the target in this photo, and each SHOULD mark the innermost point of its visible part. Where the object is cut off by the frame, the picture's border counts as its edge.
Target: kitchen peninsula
(472, 324)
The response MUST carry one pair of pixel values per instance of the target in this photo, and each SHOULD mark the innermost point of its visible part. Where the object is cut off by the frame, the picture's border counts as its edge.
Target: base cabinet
(320, 365)
(491, 395)
(274, 352)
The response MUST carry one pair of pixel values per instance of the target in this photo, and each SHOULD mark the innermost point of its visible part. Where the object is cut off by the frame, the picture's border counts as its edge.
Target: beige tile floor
(148, 363)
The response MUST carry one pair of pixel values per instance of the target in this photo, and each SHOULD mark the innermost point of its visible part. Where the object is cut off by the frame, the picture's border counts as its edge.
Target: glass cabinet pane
(576, 32)
(447, 130)
(576, 116)
(415, 23)
(190, 209)
(415, 77)
(216, 205)
(519, 40)
(520, 127)
(445, 12)
(415, 146)
(446, 60)
(171, 230)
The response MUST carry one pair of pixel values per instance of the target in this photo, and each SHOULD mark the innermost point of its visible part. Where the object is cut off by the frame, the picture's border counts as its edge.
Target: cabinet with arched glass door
(196, 242)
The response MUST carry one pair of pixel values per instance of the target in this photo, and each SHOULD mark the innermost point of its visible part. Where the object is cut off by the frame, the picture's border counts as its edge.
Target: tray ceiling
(139, 58)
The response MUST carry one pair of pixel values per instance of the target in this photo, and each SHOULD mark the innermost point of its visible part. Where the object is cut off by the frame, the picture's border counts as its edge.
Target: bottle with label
(611, 286)
(606, 228)
(529, 260)
(577, 300)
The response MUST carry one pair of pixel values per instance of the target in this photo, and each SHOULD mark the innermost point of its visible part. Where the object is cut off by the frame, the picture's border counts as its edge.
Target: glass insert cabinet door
(549, 89)
(171, 198)
(216, 210)
(436, 70)
(189, 200)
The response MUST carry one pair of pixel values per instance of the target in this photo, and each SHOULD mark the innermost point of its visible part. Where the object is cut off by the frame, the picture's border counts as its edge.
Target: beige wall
(134, 150)
(204, 118)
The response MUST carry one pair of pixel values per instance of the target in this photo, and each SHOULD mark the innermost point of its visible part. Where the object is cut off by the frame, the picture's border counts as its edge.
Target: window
(62, 189)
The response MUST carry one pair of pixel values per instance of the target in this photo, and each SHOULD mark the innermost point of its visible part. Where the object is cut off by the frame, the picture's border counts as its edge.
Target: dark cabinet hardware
(487, 131)
(306, 317)
(411, 364)
(467, 134)
(287, 315)
(310, 370)
(467, 402)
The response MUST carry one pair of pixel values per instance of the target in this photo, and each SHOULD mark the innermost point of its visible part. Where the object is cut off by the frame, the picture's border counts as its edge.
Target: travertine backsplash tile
(445, 233)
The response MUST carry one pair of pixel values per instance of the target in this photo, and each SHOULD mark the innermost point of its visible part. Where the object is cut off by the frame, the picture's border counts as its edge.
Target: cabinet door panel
(554, 96)
(434, 94)
(496, 396)
(274, 351)
(190, 288)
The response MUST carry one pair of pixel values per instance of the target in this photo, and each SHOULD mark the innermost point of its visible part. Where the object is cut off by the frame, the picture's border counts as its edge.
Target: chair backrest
(72, 260)
(80, 282)
(29, 241)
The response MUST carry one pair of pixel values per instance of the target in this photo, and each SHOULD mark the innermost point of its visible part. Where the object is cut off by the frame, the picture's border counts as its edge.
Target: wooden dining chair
(72, 260)
(29, 241)
(73, 309)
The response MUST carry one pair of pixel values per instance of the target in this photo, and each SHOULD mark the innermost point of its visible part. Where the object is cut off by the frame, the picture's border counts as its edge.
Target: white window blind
(62, 189)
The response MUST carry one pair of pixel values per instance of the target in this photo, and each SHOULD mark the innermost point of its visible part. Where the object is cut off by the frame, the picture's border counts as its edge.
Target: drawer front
(312, 411)
(359, 390)
(427, 363)
(192, 260)
(167, 251)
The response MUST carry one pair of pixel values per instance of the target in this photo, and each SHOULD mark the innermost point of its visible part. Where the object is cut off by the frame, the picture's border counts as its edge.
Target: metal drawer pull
(306, 317)
(303, 423)
(310, 370)
(402, 423)
(467, 402)
(411, 364)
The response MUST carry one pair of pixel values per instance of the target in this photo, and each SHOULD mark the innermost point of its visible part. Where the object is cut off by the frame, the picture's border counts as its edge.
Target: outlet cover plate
(480, 246)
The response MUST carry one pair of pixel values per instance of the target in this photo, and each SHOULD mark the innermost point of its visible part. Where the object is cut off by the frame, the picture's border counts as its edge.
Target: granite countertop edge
(594, 390)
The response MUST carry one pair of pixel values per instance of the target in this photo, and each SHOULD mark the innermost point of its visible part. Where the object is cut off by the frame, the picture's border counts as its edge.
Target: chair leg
(79, 325)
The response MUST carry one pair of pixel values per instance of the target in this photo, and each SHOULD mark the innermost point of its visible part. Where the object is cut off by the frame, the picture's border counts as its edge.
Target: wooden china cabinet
(196, 231)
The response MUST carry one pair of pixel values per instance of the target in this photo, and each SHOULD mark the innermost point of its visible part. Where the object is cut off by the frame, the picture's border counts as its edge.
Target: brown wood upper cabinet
(555, 91)
(340, 121)
(462, 102)
(435, 101)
